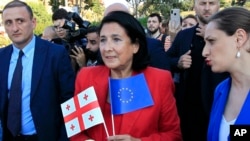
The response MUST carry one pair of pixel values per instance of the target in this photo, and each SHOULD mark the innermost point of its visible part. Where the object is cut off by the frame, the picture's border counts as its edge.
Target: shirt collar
(27, 49)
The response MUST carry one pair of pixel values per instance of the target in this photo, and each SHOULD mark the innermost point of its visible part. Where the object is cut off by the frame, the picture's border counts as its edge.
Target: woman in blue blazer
(228, 50)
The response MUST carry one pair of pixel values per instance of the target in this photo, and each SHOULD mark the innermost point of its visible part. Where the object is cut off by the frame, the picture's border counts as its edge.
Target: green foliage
(97, 7)
(155, 6)
(43, 18)
(247, 5)
(4, 41)
(143, 21)
(54, 4)
(187, 5)
(225, 3)
(93, 10)
(238, 2)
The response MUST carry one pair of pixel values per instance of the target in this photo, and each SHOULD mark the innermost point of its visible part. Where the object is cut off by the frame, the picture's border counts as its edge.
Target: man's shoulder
(185, 35)
(152, 42)
(46, 44)
(6, 48)
(190, 30)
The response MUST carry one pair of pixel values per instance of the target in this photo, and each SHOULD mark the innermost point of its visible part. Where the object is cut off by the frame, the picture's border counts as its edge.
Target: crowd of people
(196, 74)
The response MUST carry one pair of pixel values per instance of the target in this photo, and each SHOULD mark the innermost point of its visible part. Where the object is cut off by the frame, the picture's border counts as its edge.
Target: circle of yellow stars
(121, 90)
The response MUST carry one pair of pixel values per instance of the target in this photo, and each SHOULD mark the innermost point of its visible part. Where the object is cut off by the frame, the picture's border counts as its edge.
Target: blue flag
(129, 94)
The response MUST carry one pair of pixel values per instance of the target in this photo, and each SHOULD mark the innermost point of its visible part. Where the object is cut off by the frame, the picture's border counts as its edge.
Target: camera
(75, 34)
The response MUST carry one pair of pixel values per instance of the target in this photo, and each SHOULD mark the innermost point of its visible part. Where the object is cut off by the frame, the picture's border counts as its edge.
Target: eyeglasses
(58, 28)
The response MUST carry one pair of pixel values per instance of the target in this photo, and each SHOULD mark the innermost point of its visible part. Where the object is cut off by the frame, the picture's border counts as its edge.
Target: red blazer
(159, 122)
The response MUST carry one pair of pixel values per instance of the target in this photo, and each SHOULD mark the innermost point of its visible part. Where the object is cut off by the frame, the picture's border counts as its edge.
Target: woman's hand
(174, 28)
(122, 138)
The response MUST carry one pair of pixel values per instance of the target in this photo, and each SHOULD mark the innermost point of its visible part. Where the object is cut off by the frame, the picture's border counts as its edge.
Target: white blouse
(225, 128)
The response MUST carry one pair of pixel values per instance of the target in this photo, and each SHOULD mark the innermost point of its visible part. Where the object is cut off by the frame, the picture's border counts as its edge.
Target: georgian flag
(81, 112)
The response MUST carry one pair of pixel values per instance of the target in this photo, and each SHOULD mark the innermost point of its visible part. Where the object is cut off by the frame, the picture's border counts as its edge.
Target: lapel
(186, 39)
(244, 115)
(101, 85)
(4, 71)
(101, 89)
(40, 55)
(190, 37)
(220, 103)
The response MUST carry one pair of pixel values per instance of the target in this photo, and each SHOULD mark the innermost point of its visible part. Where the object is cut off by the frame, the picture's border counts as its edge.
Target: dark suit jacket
(52, 84)
(204, 94)
(181, 44)
(158, 122)
(157, 54)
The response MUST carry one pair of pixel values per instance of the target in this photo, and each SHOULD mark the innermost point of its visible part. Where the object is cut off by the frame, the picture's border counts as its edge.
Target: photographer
(69, 37)
(88, 56)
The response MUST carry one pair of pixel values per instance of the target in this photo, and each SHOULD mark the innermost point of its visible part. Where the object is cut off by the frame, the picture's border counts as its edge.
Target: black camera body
(71, 26)
(76, 36)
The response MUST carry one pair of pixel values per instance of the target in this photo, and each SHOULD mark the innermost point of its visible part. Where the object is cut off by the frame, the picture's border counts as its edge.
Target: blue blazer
(52, 83)
(220, 100)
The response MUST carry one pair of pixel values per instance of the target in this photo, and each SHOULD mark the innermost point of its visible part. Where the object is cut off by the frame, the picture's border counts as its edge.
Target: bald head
(115, 7)
(49, 33)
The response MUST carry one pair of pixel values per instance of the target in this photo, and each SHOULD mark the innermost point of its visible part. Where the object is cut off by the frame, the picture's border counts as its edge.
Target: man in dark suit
(194, 93)
(47, 80)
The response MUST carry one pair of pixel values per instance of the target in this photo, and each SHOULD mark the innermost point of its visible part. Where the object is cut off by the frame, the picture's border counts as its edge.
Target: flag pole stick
(113, 124)
(112, 116)
(106, 130)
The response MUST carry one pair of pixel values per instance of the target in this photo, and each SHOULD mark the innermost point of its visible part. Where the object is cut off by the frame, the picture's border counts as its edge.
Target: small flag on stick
(81, 112)
(129, 94)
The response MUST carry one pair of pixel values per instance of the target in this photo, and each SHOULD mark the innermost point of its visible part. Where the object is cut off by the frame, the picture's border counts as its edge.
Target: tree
(54, 4)
(145, 7)
(238, 2)
(92, 10)
(43, 18)
(135, 5)
(187, 5)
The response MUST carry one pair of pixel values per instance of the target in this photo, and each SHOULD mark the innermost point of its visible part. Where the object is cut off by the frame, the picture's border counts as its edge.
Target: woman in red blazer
(124, 52)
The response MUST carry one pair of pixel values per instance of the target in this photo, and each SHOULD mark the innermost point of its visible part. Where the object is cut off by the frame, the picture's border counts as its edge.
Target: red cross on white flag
(81, 112)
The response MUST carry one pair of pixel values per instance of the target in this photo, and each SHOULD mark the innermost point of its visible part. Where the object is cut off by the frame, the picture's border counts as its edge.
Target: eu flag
(129, 94)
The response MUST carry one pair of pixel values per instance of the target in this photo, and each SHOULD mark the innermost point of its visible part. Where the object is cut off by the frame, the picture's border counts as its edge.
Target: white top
(225, 128)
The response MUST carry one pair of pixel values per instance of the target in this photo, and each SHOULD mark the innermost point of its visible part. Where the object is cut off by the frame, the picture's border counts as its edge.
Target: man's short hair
(17, 3)
(60, 14)
(156, 15)
(92, 29)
